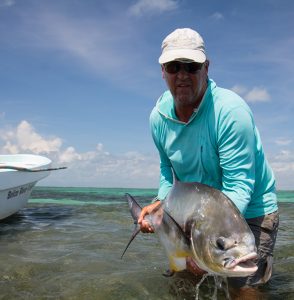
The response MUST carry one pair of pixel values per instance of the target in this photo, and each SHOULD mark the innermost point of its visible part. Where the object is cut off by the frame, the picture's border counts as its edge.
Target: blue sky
(78, 80)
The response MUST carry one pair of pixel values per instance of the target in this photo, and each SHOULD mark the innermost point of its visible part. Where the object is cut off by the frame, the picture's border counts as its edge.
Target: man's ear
(162, 72)
(207, 64)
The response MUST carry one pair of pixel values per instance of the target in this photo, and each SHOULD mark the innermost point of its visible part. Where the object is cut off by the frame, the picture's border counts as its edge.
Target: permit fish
(199, 222)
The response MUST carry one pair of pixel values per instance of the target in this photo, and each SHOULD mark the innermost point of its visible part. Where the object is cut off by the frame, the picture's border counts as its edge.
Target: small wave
(74, 202)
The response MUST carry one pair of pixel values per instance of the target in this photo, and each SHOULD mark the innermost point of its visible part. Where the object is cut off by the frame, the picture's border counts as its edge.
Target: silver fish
(202, 223)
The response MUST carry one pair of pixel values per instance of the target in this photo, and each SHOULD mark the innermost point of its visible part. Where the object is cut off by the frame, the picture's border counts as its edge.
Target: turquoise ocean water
(67, 242)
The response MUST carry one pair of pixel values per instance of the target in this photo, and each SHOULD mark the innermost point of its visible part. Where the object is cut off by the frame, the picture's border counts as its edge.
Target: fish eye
(220, 243)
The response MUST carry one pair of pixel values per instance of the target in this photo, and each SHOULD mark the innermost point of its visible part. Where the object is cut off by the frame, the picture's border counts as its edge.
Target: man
(207, 134)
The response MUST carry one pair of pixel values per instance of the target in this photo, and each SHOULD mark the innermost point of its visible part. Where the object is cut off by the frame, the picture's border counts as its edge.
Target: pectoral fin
(176, 264)
(135, 208)
(168, 273)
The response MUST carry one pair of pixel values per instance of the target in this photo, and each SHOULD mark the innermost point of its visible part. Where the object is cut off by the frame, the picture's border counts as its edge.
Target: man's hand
(145, 226)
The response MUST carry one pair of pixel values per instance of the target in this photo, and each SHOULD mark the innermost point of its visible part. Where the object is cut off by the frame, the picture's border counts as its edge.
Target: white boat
(18, 175)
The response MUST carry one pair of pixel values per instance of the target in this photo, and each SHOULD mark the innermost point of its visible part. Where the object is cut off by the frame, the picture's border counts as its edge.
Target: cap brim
(194, 55)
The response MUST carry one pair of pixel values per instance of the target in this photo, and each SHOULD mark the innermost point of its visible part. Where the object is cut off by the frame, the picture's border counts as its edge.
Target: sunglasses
(174, 67)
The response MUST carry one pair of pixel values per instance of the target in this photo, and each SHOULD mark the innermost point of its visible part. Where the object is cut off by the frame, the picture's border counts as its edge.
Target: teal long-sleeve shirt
(220, 146)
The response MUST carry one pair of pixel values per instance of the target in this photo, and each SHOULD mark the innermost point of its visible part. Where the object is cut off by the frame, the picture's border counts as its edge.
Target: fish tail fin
(134, 234)
(135, 210)
(134, 207)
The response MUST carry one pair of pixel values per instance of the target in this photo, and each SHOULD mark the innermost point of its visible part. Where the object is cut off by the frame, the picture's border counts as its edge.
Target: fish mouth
(244, 265)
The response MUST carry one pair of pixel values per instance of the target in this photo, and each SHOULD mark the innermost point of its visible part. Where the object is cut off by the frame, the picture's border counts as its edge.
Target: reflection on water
(62, 251)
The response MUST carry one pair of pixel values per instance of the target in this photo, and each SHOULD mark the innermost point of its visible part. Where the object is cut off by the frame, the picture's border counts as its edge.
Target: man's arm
(166, 175)
(237, 146)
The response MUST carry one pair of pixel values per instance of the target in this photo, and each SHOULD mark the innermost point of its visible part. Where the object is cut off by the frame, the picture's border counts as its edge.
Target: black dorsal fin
(179, 228)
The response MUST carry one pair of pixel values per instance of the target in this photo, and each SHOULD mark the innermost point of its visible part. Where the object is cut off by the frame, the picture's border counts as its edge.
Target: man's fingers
(142, 215)
(144, 224)
(146, 227)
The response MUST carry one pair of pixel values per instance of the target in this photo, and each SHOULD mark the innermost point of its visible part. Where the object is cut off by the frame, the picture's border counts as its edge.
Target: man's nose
(182, 73)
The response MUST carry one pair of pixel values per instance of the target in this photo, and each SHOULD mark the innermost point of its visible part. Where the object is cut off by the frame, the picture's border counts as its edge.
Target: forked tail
(135, 210)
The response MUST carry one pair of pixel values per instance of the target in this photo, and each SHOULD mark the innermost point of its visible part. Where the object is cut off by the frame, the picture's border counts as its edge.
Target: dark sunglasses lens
(175, 66)
(172, 67)
(193, 67)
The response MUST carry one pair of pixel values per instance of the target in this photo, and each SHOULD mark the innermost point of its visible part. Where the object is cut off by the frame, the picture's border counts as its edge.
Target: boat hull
(16, 186)
(14, 199)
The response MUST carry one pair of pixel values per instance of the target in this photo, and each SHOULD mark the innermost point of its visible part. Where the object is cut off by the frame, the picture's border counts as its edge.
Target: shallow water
(67, 243)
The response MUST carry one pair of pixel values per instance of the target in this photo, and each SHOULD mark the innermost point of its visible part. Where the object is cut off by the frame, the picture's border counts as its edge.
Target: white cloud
(107, 49)
(96, 167)
(256, 94)
(217, 16)
(94, 44)
(103, 169)
(285, 156)
(6, 3)
(24, 139)
(100, 168)
(283, 141)
(239, 89)
(152, 6)
(283, 166)
(69, 155)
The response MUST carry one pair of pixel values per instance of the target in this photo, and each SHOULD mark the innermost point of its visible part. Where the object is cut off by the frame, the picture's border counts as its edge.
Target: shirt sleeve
(166, 176)
(237, 144)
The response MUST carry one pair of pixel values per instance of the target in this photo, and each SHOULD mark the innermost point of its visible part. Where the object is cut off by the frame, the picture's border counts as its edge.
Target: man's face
(188, 84)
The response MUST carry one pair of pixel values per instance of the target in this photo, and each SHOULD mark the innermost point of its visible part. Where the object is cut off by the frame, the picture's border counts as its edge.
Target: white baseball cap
(183, 43)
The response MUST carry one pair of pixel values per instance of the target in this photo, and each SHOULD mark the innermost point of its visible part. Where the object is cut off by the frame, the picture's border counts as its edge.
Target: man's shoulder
(226, 96)
(155, 117)
(226, 100)
(163, 107)
(154, 114)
